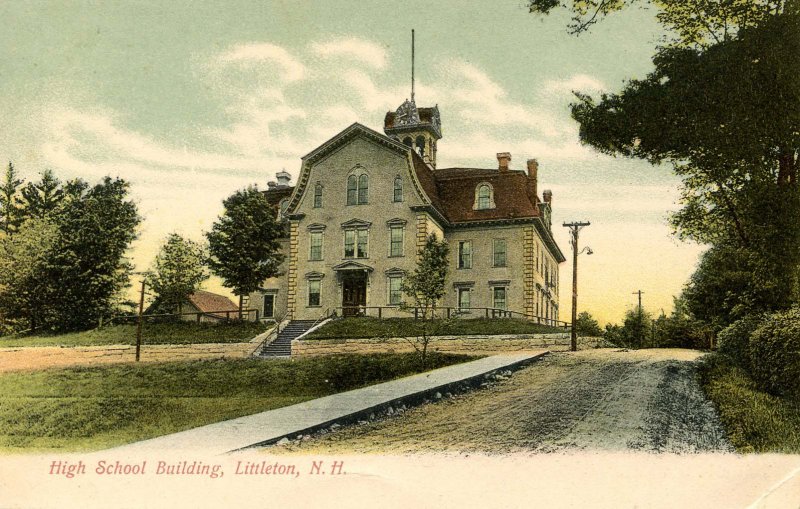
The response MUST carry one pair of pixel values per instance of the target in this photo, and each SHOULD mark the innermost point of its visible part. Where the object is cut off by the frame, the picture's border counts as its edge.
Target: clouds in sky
(278, 105)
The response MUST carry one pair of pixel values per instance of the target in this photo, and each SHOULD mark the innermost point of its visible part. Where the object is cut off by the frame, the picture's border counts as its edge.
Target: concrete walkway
(270, 426)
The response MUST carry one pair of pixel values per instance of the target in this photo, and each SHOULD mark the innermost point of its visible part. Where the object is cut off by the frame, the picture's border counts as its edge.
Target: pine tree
(10, 213)
(39, 199)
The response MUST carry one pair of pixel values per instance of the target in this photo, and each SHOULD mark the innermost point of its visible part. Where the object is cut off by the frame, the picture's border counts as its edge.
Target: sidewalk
(270, 426)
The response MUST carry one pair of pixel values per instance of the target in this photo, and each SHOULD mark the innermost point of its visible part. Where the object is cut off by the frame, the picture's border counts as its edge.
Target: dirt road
(606, 399)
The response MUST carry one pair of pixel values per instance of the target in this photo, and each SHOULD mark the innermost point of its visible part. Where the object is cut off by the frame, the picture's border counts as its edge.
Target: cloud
(259, 53)
(353, 48)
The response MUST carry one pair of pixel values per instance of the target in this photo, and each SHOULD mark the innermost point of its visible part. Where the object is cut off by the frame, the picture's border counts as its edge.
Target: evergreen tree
(39, 199)
(243, 243)
(10, 214)
(177, 271)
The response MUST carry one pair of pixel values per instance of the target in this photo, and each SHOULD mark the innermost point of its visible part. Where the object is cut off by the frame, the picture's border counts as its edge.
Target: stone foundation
(450, 344)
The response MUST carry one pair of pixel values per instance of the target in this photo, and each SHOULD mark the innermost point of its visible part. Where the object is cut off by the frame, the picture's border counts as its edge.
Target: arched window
(282, 206)
(421, 145)
(363, 189)
(407, 141)
(484, 197)
(352, 190)
(318, 196)
(398, 189)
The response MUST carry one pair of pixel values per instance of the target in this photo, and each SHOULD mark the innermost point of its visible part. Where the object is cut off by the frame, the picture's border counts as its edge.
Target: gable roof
(206, 301)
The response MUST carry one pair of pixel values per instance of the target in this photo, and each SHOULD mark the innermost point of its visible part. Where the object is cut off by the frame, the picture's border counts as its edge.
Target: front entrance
(354, 293)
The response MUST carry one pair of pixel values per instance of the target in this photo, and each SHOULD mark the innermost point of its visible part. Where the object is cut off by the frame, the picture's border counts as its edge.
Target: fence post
(379, 312)
(416, 313)
(258, 314)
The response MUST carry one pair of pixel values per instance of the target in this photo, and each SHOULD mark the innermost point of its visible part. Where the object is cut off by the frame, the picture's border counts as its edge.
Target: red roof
(205, 302)
(452, 192)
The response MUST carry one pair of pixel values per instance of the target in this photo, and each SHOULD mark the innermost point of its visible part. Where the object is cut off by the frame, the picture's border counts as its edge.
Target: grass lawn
(754, 420)
(152, 334)
(93, 408)
(368, 327)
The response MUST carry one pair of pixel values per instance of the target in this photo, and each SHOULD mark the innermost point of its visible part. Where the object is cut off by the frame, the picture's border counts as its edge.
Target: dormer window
(484, 197)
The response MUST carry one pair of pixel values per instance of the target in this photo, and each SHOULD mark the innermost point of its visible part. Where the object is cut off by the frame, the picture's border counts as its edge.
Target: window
(355, 243)
(465, 254)
(398, 189)
(407, 141)
(421, 145)
(499, 297)
(313, 293)
(315, 251)
(363, 189)
(395, 293)
(463, 298)
(282, 206)
(499, 253)
(318, 196)
(352, 190)
(358, 189)
(484, 197)
(396, 241)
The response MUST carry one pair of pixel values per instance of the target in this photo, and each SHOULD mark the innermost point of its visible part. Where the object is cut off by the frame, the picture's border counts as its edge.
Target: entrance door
(354, 293)
(269, 306)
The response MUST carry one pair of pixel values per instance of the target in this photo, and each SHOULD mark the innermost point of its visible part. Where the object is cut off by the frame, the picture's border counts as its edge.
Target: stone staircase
(282, 346)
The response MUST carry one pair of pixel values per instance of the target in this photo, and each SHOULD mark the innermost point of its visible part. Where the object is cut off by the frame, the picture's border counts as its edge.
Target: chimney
(283, 178)
(271, 185)
(503, 158)
(533, 175)
(548, 196)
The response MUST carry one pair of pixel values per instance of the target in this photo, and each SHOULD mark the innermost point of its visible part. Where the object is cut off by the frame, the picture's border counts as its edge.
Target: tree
(25, 289)
(723, 107)
(244, 247)
(690, 22)
(586, 325)
(425, 287)
(89, 269)
(42, 198)
(177, 271)
(10, 216)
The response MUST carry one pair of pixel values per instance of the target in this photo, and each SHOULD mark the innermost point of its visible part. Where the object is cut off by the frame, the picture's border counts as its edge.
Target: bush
(775, 353)
(734, 340)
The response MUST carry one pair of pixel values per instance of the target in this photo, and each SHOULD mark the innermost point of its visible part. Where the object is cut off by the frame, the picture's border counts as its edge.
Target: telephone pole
(574, 228)
(639, 293)
(139, 323)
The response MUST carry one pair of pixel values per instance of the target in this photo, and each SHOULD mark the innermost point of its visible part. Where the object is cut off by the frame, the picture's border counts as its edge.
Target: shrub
(734, 340)
(775, 353)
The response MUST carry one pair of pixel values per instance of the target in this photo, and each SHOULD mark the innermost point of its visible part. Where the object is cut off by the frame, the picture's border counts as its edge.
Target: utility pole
(574, 228)
(641, 316)
(139, 323)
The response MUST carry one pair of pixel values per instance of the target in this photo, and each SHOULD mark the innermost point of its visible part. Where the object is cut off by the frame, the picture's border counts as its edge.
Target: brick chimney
(533, 175)
(503, 158)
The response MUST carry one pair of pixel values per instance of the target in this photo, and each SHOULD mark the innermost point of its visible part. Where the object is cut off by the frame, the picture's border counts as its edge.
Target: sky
(190, 101)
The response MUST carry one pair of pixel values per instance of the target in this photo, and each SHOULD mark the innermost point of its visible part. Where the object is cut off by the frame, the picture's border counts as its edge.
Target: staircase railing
(272, 336)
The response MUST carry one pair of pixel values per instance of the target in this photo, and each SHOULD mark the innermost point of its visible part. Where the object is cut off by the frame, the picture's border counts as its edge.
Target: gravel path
(647, 400)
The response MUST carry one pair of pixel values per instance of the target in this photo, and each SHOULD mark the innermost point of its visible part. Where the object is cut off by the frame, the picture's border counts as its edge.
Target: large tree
(723, 108)
(177, 271)
(89, 264)
(25, 287)
(243, 243)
